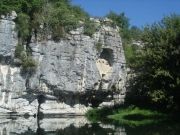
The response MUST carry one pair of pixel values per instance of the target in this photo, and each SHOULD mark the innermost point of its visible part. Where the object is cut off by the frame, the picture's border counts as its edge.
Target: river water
(79, 126)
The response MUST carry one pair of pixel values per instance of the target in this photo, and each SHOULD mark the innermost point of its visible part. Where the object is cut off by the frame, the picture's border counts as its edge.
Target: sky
(140, 12)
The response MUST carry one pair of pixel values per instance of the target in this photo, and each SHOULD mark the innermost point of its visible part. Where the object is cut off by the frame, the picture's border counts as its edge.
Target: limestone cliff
(73, 74)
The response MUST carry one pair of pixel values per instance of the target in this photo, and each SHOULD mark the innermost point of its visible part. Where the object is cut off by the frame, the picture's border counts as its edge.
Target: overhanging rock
(72, 75)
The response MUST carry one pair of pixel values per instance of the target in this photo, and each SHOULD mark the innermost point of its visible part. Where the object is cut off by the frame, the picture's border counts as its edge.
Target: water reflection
(56, 126)
(79, 126)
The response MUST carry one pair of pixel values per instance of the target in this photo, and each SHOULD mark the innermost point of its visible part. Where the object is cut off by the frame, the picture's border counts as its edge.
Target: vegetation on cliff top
(43, 18)
(128, 34)
(46, 17)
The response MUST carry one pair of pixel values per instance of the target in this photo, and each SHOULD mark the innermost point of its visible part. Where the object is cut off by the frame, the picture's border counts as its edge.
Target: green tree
(122, 22)
(89, 28)
(158, 76)
(136, 33)
(119, 19)
(23, 26)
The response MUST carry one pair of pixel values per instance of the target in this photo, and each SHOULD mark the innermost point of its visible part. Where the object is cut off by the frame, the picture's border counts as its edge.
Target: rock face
(72, 74)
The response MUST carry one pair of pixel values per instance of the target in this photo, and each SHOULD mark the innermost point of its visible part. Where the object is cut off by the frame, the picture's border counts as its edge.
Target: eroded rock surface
(71, 75)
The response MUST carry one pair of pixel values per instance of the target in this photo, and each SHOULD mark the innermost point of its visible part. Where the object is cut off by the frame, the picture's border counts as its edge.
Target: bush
(18, 51)
(6, 6)
(26, 61)
(131, 54)
(96, 114)
(23, 26)
(56, 16)
(99, 46)
(119, 19)
(29, 64)
(158, 70)
(126, 115)
(89, 28)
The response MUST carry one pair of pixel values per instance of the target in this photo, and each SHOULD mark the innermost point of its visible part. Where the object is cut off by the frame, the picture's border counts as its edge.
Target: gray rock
(71, 71)
(13, 15)
(8, 38)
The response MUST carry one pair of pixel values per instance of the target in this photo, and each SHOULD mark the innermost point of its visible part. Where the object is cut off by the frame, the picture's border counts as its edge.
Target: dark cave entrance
(107, 54)
(41, 99)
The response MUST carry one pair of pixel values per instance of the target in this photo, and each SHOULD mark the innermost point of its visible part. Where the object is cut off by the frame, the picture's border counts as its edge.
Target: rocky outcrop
(8, 37)
(71, 76)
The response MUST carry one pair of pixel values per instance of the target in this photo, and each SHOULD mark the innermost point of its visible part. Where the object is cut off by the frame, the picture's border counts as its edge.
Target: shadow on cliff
(91, 97)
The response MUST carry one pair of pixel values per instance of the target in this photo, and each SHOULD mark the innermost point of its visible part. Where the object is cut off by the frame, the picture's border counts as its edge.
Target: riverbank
(128, 115)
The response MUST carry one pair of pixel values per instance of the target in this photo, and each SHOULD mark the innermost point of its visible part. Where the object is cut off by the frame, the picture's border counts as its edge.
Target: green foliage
(122, 22)
(132, 116)
(18, 51)
(23, 26)
(131, 54)
(158, 75)
(89, 28)
(56, 17)
(26, 61)
(6, 6)
(63, 18)
(44, 18)
(25, 6)
(99, 46)
(119, 19)
(59, 17)
(29, 64)
(135, 116)
(135, 33)
(96, 115)
(127, 34)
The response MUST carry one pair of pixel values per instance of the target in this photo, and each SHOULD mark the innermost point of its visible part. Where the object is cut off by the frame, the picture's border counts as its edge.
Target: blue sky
(140, 12)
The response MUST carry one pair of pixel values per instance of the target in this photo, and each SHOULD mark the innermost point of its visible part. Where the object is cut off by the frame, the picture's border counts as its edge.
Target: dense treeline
(157, 66)
(156, 63)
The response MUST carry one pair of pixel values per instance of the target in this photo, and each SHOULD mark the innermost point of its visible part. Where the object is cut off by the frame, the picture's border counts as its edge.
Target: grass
(134, 116)
(130, 116)
(95, 115)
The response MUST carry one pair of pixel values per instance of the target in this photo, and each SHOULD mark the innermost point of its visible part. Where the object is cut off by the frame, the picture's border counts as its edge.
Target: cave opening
(107, 54)
(104, 62)
(41, 99)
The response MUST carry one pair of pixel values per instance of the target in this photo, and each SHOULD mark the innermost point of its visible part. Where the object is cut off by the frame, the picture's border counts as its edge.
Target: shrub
(131, 54)
(158, 69)
(18, 51)
(89, 28)
(57, 17)
(29, 64)
(26, 61)
(99, 46)
(23, 26)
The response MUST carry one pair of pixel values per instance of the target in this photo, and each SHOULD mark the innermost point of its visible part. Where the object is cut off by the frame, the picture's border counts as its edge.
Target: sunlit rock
(71, 74)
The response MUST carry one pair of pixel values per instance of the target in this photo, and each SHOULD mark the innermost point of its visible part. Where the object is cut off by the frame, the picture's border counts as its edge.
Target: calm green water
(80, 126)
